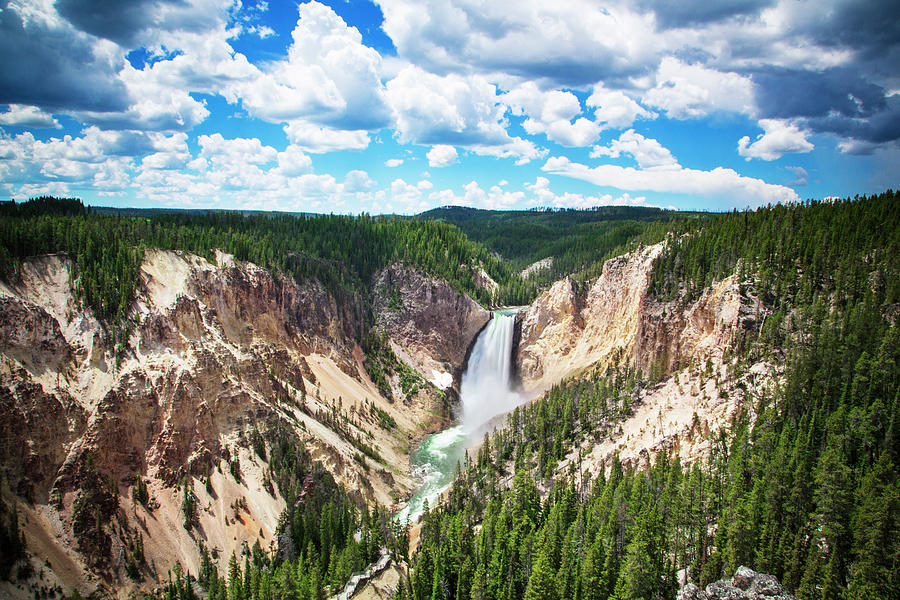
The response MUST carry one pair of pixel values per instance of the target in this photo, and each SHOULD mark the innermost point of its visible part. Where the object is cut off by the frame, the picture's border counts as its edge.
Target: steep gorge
(224, 354)
(222, 360)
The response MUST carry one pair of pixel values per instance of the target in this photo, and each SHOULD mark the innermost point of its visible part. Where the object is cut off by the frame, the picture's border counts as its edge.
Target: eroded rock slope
(223, 358)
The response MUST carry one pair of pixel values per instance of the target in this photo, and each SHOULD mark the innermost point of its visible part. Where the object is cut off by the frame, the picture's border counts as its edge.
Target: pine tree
(876, 531)
(542, 582)
(641, 576)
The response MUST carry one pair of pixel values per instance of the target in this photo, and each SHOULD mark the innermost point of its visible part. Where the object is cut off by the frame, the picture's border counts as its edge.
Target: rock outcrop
(567, 329)
(433, 325)
(746, 584)
(613, 321)
(679, 350)
(217, 354)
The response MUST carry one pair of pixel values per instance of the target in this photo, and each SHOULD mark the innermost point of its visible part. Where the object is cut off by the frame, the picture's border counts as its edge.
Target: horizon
(533, 209)
(395, 107)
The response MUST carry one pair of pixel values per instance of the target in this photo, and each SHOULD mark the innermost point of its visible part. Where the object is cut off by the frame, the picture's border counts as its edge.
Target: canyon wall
(614, 321)
(683, 353)
(432, 325)
(220, 355)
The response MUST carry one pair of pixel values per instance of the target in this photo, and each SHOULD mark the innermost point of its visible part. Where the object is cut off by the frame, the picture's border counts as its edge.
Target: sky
(340, 106)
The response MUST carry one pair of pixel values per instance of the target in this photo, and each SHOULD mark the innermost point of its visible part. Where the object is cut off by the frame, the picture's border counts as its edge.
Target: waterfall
(485, 392)
(485, 388)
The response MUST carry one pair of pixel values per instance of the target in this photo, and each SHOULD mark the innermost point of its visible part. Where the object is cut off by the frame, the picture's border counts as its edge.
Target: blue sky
(402, 105)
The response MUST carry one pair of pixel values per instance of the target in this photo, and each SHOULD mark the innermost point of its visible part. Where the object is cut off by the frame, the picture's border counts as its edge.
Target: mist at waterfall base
(484, 393)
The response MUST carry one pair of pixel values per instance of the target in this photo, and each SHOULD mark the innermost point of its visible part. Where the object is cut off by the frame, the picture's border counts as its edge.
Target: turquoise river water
(485, 392)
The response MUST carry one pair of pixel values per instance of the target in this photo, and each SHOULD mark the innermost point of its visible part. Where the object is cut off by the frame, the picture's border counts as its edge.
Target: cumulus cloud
(442, 156)
(494, 198)
(453, 110)
(780, 138)
(612, 108)
(50, 64)
(393, 162)
(552, 113)
(687, 91)
(430, 109)
(719, 182)
(358, 181)
(171, 153)
(522, 150)
(544, 196)
(566, 43)
(648, 152)
(319, 139)
(293, 161)
(329, 77)
(28, 116)
(101, 160)
(408, 196)
(156, 105)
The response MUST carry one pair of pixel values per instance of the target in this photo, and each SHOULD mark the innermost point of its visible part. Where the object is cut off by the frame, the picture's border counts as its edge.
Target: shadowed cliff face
(217, 353)
(433, 325)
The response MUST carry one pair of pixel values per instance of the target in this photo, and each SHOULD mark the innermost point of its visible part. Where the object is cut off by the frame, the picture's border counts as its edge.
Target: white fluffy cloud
(442, 156)
(431, 109)
(687, 91)
(329, 77)
(552, 113)
(612, 108)
(494, 198)
(319, 139)
(393, 162)
(720, 182)
(407, 197)
(522, 150)
(453, 110)
(648, 152)
(293, 161)
(98, 159)
(544, 196)
(780, 138)
(28, 116)
(567, 43)
(156, 105)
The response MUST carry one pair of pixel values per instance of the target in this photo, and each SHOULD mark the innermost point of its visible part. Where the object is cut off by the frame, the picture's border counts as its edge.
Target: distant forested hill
(578, 240)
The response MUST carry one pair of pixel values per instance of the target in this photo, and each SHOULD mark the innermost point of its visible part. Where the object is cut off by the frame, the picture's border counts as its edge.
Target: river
(485, 392)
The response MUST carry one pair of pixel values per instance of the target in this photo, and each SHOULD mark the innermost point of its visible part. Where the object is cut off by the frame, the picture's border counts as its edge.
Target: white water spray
(485, 392)
(485, 389)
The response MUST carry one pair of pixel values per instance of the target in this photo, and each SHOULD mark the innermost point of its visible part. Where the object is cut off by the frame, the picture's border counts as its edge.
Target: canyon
(223, 356)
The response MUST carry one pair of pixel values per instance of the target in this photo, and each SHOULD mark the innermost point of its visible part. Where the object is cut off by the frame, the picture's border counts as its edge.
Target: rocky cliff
(430, 324)
(683, 351)
(612, 321)
(220, 356)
